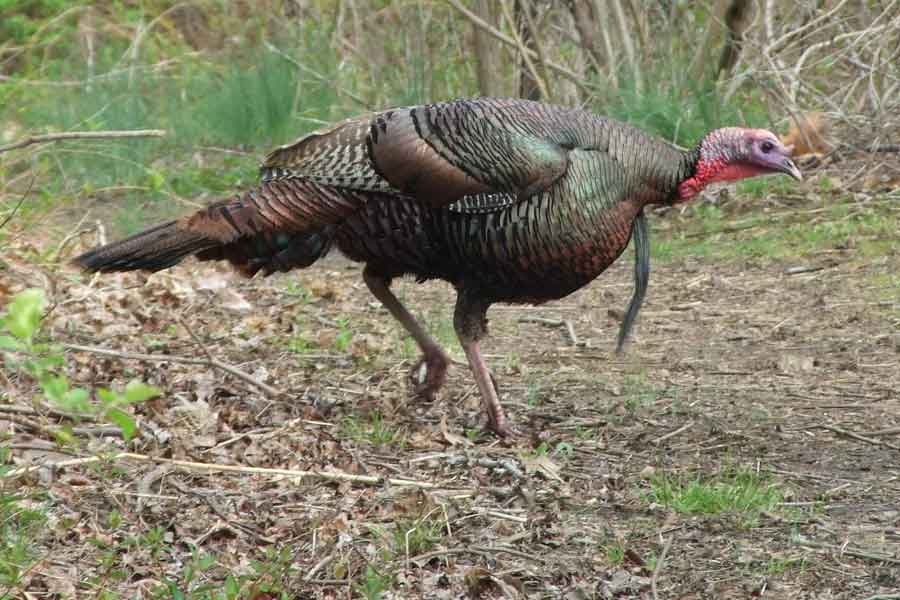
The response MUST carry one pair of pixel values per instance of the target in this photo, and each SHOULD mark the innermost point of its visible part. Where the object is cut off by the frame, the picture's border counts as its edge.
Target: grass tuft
(375, 431)
(733, 490)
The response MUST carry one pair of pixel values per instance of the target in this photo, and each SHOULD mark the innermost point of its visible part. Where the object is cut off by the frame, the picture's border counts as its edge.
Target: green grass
(869, 231)
(414, 537)
(22, 525)
(777, 566)
(615, 553)
(762, 187)
(268, 82)
(639, 393)
(374, 583)
(740, 491)
(374, 431)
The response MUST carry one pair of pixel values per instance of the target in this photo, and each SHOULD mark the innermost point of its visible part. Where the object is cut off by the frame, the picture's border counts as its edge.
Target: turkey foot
(428, 375)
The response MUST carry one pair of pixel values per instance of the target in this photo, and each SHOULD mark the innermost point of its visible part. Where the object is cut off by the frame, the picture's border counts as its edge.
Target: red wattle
(714, 170)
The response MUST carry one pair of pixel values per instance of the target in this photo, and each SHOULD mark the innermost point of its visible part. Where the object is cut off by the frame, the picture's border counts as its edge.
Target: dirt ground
(783, 367)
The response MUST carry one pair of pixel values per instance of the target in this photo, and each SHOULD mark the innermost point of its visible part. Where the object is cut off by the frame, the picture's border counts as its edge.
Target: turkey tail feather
(276, 227)
(153, 249)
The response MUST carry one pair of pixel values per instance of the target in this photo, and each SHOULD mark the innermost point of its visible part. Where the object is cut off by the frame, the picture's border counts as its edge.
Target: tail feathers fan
(167, 244)
(153, 249)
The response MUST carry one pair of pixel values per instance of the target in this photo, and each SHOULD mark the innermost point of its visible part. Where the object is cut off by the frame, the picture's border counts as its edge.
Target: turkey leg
(470, 322)
(427, 375)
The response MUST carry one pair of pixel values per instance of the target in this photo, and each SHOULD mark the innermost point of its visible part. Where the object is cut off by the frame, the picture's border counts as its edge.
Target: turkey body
(495, 254)
(508, 200)
(521, 201)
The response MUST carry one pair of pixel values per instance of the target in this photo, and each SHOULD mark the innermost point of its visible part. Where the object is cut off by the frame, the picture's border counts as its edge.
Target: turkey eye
(767, 147)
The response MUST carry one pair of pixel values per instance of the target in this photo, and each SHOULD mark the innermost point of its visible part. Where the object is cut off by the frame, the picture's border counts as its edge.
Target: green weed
(732, 490)
(414, 537)
(615, 553)
(344, 336)
(43, 361)
(375, 431)
(639, 393)
(20, 530)
(374, 583)
(776, 566)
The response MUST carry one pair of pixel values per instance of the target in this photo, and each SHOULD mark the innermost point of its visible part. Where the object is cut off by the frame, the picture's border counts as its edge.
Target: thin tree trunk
(487, 50)
(737, 20)
(529, 84)
(627, 43)
(601, 14)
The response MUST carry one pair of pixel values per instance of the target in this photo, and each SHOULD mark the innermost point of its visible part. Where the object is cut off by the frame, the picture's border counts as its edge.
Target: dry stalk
(186, 465)
(82, 135)
(659, 566)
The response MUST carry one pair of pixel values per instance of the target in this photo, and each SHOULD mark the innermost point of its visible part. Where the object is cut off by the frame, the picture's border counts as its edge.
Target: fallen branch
(672, 434)
(849, 551)
(568, 325)
(209, 362)
(856, 436)
(23, 410)
(82, 135)
(214, 468)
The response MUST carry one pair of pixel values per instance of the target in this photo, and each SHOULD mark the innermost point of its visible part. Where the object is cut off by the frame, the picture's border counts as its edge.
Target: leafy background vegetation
(248, 76)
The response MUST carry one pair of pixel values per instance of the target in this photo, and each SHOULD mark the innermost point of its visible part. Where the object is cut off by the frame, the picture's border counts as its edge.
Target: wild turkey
(508, 200)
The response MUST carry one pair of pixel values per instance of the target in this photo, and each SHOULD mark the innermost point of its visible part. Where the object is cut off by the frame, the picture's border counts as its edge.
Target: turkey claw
(428, 375)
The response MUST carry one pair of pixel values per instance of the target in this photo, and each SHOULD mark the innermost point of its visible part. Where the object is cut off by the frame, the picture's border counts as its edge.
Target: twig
(659, 566)
(503, 550)
(857, 436)
(538, 46)
(672, 434)
(318, 567)
(504, 464)
(573, 337)
(194, 337)
(18, 205)
(82, 135)
(892, 431)
(849, 551)
(802, 269)
(214, 468)
(567, 324)
(541, 320)
(28, 423)
(23, 410)
(209, 362)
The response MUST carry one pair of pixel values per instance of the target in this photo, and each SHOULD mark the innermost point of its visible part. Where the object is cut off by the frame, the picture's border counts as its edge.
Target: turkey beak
(788, 167)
